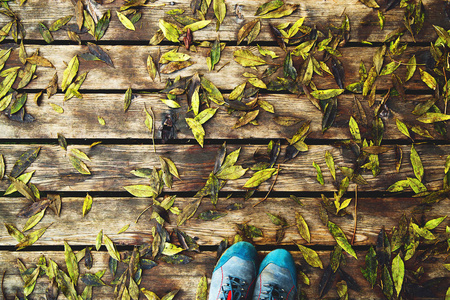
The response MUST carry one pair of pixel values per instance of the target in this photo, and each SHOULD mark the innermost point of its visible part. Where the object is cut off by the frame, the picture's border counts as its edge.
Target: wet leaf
(202, 289)
(340, 238)
(71, 263)
(429, 80)
(248, 59)
(24, 161)
(259, 177)
(383, 248)
(398, 273)
(326, 280)
(169, 30)
(18, 103)
(250, 231)
(125, 21)
(288, 66)
(329, 114)
(188, 211)
(87, 204)
(91, 280)
(46, 34)
(370, 272)
(79, 165)
(277, 220)
(112, 250)
(102, 25)
(310, 256)
(127, 99)
(98, 52)
(70, 72)
(211, 215)
(386, 283)
(416, 163)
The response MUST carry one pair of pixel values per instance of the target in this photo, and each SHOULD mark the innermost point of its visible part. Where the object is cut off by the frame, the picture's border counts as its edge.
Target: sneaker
(277, 278)
(234, 276)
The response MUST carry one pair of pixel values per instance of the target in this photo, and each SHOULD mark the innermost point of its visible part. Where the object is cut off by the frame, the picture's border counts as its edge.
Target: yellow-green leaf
(319, 173)
(403, 128)
(169, 30)
(112, 250)
(259, 177)
(71, 263)
(341, 239)
(398, 273)
(202, 289)
(87, 204)
(416, 163)
(326, 94)
(151, 67)
(123, 229)
(197, 25)
(197, 130)
(220, 11)
(330, 164)
(302, 227)
(410, 68)
(428, 79)
(125, 21)
(310, 256)
(248, 59)
(70, 72)
(34, 220)
(141, 190)
(433, 118)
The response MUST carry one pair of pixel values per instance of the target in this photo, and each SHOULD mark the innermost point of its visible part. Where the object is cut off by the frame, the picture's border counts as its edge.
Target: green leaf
(220, 11)
(213, 92)
(319, 173)
(112, 250)
(14, 232)
(326, 94)
(205, 115)
(398, 186)
(71, 263)
(79, 165)
(169, 30)
(354, 130)
(277, 220)
(416, 185)
(197, 130)
(410, 68)
(386, 283)
(416, 163)
(403, 128)
(398, 273)
(125, 21)
(443, 34)
(70, 72)
(268, 6)
(341, 239)
(429, 80)
(302, 227)
(310, 256)
(433, 117)
(370, 272)
(432, 224)
(34, 220)
(330, 164)
(196, 25)
(202, 289)
(127, 99)
(102, 25)
(259, 177)
(87, 204)
(248, 59)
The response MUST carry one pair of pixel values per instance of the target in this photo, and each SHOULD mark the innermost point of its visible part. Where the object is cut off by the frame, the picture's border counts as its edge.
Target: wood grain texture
(130, 67)
(111, 166)
(164, 277)
(364, 20)
(111, 214)
(79, 119)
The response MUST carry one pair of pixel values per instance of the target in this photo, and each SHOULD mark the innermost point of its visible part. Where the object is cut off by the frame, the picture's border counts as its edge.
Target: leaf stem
(271, 187)
(356, 204)
(145, 209)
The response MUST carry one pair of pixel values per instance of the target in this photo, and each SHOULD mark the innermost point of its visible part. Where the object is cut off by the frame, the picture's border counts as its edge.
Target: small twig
(446, 91)
(223, 66)
(356, 204)
(137, 219)
(271, 187)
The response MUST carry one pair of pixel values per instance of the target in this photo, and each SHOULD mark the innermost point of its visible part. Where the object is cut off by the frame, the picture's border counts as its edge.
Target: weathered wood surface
(111, 166)
(111, 214)
(364, 20)
(131, 71)
(165, 277)
(79, 119)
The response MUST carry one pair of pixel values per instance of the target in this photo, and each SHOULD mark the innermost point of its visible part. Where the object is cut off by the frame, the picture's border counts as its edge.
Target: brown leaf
(174, 66)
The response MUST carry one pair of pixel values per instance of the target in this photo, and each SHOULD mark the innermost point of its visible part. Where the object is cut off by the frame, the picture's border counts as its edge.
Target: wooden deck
(126, 145)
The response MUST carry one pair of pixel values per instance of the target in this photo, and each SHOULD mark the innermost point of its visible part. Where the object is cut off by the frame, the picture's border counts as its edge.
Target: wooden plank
(164, 277)
(364, 20)
(130, 67)
(111, 166)
(79, 119)
(111, 214)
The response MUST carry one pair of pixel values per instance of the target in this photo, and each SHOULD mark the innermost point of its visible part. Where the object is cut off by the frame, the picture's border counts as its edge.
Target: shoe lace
(273, 292)
(234, 288)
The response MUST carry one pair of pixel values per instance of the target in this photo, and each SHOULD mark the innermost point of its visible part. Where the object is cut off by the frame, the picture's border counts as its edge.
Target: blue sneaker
(277, 278)
(234, 276)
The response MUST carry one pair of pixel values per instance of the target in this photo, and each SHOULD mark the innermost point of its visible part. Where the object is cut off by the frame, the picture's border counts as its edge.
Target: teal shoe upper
(243, 250)
(283, 259)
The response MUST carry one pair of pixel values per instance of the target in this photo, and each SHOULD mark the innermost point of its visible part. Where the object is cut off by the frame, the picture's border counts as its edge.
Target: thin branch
(271, 187)
(137, 219)
(356, 204)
